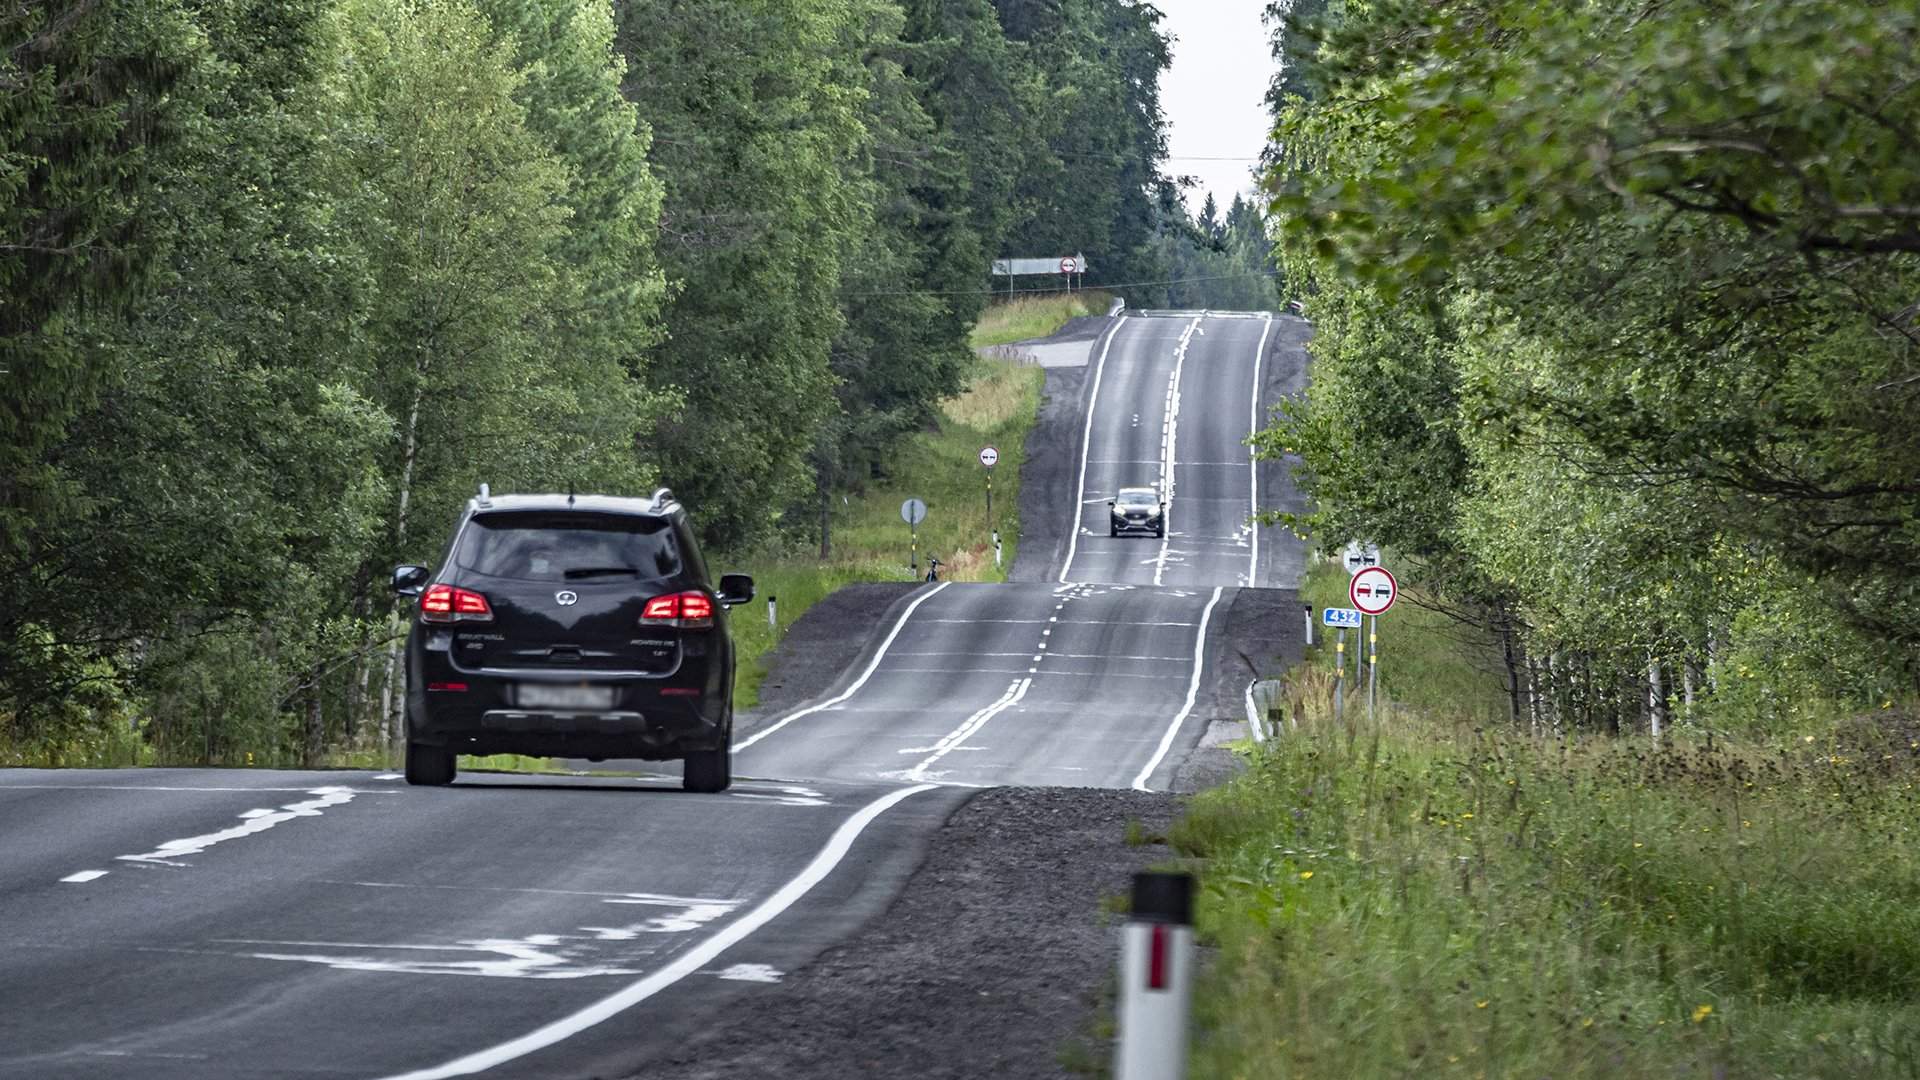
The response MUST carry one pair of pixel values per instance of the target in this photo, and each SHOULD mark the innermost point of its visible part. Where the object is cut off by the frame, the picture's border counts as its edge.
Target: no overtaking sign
(1373, 590)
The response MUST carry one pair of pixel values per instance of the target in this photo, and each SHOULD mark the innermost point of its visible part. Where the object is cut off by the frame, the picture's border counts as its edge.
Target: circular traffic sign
(1373, 590)
(1359, 556)
(1068, 265)
(989, 456)
(913, 511)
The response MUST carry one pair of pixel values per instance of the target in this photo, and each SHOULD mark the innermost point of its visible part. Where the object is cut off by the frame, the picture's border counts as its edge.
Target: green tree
(753, 141)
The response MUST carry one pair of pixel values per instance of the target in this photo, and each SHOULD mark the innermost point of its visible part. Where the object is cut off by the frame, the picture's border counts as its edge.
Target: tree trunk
(1656, 696)
(392, 696)
(826, 518)
(1513, 670)
(316, 725)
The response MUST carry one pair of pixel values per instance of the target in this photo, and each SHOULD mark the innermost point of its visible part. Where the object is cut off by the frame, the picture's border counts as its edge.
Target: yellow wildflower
(1701, 1012)
(1305, 874)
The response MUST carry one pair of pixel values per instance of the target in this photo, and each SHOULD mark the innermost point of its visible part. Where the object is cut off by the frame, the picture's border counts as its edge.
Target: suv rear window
(548, 545)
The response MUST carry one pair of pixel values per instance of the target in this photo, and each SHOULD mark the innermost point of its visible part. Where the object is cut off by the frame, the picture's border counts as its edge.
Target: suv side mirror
(735, 589)
(1110, 504)
(410, 580)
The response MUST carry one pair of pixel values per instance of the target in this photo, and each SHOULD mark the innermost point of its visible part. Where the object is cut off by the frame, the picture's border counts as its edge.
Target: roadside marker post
(1156, 979)
(1307, 610)
(1341, 619)
(773, 620)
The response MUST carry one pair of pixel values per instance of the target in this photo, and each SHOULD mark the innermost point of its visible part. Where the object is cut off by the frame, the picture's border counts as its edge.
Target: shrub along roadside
(1028, 317)
(1430, 896)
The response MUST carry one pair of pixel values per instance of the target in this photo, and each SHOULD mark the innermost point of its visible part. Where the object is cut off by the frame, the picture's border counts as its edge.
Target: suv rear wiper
(601, 571)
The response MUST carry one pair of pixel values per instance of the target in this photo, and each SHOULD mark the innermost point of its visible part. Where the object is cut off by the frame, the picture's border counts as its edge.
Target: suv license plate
(557, 696)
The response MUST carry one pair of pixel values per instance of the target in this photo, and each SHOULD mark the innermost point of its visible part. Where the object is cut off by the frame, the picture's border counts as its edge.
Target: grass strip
(1436, 895)
(1028, 317)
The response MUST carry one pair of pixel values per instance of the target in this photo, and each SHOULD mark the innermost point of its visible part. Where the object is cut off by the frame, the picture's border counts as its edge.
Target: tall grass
(1432, 895)
(1027, 317)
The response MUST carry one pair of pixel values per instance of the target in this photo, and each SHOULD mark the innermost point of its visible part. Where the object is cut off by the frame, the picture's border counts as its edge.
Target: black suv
(571, 626)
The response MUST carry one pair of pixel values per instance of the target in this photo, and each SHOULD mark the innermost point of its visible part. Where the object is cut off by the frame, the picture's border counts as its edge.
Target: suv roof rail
(485, 497)
(662, 499)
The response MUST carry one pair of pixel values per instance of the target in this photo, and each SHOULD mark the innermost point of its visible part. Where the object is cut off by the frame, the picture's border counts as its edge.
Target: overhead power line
(1097, 286)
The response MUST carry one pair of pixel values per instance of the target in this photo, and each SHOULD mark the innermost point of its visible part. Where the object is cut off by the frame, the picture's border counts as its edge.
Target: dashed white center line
(84, 876)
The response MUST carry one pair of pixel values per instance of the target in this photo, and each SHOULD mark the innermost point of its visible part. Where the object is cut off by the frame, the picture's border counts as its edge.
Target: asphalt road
(290, 924)
(202, 923)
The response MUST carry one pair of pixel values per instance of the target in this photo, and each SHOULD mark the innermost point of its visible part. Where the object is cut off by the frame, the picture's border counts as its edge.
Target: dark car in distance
(1136, 509)
(577, 626)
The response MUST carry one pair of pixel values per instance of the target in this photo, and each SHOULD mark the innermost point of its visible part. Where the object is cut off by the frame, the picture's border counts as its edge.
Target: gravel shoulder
(992, 962)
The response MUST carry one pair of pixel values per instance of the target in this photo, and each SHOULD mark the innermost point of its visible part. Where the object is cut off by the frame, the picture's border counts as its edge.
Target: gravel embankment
(992, 962)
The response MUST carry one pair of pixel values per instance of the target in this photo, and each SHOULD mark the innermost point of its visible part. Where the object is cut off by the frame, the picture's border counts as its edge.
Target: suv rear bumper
(643, 722)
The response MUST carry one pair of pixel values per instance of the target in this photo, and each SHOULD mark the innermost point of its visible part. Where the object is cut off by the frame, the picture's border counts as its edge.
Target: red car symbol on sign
(1373, 590)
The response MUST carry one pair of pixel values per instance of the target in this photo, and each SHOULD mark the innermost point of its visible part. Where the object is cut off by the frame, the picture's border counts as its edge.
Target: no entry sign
(1373, 590)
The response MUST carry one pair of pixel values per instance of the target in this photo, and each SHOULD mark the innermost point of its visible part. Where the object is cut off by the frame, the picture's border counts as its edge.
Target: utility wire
(1096, 286)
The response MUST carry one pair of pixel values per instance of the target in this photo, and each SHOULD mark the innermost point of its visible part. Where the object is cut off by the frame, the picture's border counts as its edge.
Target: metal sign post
(1340, 619)
(1372, 591)
(912, 512)
(1373, 662)
(1339, 672)
(989, 457)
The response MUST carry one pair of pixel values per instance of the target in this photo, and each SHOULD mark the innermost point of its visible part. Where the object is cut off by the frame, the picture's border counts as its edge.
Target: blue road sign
(1341, 616)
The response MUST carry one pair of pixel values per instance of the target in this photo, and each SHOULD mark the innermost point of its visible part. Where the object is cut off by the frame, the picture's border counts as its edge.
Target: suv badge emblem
(566, 597)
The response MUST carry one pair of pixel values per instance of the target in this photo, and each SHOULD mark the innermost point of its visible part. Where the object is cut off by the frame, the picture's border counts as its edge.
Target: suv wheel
(708, 770)
(429, 766)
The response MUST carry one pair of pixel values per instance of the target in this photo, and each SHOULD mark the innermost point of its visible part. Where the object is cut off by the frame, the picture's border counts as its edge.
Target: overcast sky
(1212, 97)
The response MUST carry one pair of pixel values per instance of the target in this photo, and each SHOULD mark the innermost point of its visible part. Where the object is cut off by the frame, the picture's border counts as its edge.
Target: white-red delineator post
(1156, 979)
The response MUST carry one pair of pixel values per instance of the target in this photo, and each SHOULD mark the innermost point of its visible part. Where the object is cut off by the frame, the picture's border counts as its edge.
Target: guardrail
(1266, 708)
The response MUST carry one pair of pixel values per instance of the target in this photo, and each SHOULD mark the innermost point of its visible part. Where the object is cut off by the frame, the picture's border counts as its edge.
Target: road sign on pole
(1373, 590)
(913, 511)
(1341, 617)
(1359, 556)
(989, 456)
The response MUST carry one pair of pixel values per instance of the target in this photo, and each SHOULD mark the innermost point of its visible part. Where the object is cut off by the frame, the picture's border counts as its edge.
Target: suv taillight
(445, 604)
(687, 610)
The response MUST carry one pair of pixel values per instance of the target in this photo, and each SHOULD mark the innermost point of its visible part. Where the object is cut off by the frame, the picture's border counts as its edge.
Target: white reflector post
(1156, 979)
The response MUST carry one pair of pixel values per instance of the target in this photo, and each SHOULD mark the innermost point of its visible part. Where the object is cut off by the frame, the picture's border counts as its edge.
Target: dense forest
(283, 280)
(1616, 340)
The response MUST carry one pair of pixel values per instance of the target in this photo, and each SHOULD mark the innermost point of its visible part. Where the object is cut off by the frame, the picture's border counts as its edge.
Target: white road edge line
(857, 683)
(1253, 721)
(1193, 692)
(1169, 435)
(1253, 461)
(687, 963)
(1086, 445)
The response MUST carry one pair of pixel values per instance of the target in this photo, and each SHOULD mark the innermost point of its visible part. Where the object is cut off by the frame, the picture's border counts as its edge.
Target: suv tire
(708, 771)
(429, 766)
